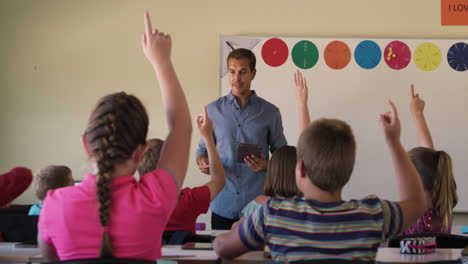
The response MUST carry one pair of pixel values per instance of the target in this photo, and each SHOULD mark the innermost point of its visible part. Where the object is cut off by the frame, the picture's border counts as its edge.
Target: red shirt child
(13, 184)
(192, 203)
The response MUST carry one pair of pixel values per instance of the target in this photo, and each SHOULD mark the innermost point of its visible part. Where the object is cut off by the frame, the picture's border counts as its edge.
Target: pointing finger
(394, 110)
(412, 90)
(148, 24)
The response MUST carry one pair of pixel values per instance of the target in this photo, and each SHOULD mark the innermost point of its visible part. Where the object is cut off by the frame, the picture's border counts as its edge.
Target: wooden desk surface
(392, 255)
(9, 253)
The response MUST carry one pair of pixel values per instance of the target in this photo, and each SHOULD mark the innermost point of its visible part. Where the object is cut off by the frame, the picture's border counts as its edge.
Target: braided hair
(117, 126)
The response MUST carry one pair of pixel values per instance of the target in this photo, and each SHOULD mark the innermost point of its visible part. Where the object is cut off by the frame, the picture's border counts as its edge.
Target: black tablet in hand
(244, 150)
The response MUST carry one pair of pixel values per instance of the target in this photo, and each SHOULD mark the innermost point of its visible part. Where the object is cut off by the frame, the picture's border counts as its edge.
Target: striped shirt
(307, 229)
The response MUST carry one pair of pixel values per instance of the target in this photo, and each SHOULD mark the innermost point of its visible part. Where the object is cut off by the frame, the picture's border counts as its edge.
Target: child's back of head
(328, 150)
(150, 159)
(50, 178)
(116, 127)
(280, 177)
(435, 169)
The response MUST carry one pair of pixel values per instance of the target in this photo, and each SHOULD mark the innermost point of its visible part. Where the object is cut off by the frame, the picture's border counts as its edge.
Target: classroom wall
(58, 57)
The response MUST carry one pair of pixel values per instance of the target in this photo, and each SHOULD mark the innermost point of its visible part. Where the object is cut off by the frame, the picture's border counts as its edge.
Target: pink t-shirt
(423, 225)
(69, 218)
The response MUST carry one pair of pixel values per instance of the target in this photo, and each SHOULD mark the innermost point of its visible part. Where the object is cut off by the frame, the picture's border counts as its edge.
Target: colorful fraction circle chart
(275, 52)
(427, 56)
(397, 55)
(337, 55)
(367, 54)
(457, 56)
(305, 54)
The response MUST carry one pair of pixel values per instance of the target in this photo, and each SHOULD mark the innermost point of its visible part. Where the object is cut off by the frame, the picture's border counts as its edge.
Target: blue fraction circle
(457, 56)
(367, 54)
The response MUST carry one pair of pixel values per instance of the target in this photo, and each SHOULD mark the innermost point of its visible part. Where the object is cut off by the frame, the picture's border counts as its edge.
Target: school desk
(457, 230)
(176, 253)
(209, 256)
(393, 255)
(384, 255)
(10, 253)
(213, 233)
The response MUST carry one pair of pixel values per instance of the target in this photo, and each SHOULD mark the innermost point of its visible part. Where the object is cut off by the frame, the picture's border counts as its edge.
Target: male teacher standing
(240, 117)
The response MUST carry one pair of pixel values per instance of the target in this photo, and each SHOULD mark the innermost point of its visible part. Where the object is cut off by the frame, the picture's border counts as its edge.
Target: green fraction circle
(305, 54)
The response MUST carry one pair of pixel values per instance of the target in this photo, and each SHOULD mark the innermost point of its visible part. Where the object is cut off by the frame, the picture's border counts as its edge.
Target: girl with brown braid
(110, 214)
(435, 169)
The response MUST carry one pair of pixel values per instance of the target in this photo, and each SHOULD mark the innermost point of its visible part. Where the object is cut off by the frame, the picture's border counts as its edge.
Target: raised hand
(203, 164)
(416, 104)
(205, 125)
(175, 152)
(391, 124)
(300, 88)
(156, 45)
(302, 93)
(417, 110)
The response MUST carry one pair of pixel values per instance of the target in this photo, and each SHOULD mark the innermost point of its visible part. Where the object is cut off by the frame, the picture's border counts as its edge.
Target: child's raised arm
(300, 88)
(175, 151)
(417, 111)
(218, 179)
(409, 183)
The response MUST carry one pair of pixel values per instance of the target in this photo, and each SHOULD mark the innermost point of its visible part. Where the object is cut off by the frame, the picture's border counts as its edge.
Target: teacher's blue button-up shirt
(257, 122)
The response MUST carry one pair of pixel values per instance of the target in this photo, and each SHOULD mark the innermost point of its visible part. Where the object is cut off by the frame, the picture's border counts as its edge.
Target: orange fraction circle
(337, 55)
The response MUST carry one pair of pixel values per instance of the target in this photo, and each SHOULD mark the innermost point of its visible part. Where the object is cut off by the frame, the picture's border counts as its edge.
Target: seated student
(13, 184)
(110, 214)
(435, 169)
(280, 180)
(192, 202)
(321, 225)
(49, 178)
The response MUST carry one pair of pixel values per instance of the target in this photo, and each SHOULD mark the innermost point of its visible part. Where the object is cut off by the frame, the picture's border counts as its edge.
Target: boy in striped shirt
(321, 225)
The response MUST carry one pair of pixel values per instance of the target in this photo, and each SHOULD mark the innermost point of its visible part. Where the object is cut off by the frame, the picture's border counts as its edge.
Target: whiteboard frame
(402, 107)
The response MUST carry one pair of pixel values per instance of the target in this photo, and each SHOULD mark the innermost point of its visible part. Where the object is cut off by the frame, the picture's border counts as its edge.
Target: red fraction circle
(275, 52)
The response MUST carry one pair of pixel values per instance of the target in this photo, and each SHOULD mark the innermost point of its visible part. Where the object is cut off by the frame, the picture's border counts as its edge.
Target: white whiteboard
(357, 95)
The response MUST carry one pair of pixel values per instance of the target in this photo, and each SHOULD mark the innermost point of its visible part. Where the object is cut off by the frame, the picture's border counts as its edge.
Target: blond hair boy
(49, 178)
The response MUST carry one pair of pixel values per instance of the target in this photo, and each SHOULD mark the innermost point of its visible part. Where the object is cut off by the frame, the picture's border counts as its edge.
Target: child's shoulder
(309, 205)
(160, 174)
(59, 192)
(297, 204)
(369, 201)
